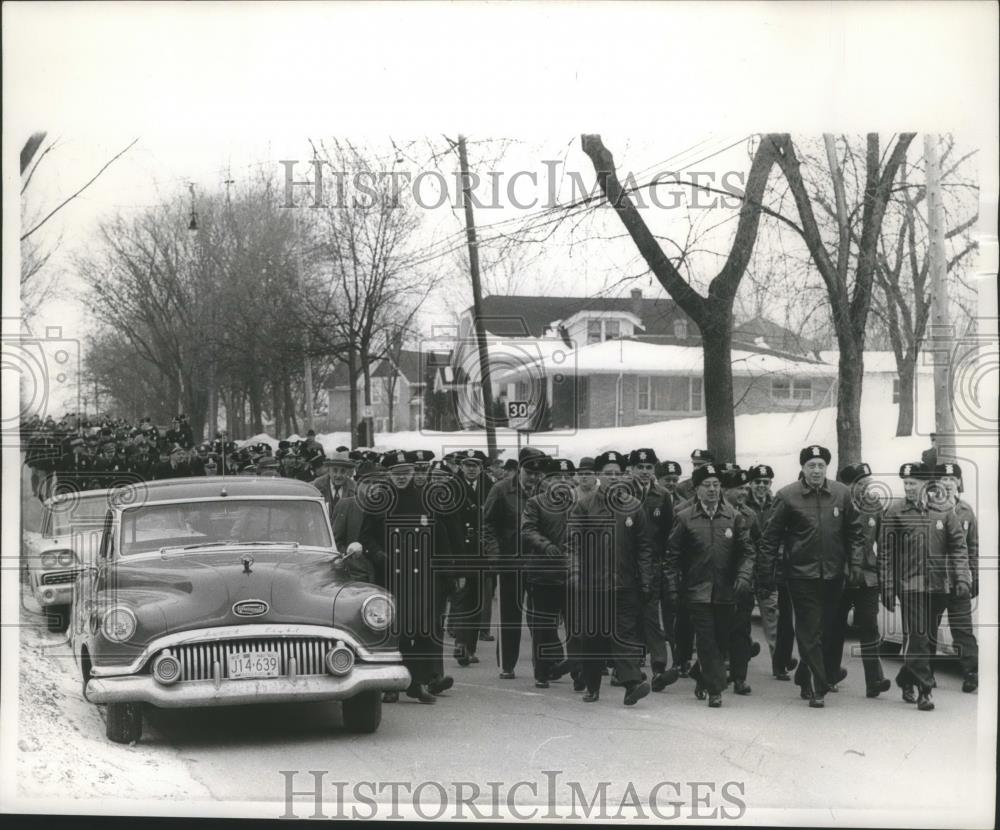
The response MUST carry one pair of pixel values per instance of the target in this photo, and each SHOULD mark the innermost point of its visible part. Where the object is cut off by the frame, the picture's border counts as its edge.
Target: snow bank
(63, 753)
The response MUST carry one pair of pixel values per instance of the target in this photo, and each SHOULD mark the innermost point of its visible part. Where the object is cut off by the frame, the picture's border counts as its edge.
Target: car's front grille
(59, 577)
(198, 659)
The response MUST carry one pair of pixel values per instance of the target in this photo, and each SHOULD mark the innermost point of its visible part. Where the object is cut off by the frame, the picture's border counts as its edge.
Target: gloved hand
(763, 594)
(553, 551)
(742, 585)
(857, 577)
(962, 590)
(888, 600)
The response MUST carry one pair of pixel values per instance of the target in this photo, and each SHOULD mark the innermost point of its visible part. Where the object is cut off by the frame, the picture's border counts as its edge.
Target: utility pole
(944, 421)
(307, 361)
(477, 301)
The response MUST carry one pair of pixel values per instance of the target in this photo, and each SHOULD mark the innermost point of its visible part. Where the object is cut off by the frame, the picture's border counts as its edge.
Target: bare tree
(713, 311)
(844, 249)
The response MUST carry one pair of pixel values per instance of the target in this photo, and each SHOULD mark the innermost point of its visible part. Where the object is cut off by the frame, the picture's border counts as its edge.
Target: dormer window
(600, 329)
(681, 329)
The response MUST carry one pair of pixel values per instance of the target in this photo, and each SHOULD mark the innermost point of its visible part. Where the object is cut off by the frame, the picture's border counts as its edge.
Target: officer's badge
(729, 533)
(939, 525)
(836, 512)
(965, 525)
(871, 521)
(423, 520)
(642, 456)
(656, 514)
(815, 451)
(628, 521)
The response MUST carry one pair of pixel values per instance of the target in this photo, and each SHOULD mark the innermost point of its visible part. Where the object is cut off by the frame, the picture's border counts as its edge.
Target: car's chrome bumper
(143, 688)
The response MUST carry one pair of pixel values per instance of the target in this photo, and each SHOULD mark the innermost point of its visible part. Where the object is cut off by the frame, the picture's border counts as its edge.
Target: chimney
(637, 302)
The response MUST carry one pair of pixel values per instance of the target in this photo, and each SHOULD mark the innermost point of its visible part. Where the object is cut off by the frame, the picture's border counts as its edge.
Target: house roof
(521, 315)
(775, 336)
(408, 363)
(882, 362)
(637, 357)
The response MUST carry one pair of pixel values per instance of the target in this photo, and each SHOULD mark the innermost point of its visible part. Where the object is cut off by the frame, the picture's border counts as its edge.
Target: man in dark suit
(348, 524)
(335, 483)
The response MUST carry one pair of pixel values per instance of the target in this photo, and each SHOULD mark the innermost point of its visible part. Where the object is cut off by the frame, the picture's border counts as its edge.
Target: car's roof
(206, 487)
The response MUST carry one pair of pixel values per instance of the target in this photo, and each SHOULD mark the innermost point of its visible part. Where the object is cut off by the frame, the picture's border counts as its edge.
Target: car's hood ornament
(247, 561)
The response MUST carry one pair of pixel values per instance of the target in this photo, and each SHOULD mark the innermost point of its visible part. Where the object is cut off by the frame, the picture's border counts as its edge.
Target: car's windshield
(74, 514)
(224, 521)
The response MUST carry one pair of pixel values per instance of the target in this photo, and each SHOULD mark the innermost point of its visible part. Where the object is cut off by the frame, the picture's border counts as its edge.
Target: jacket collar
(723, 508)
(808, 488)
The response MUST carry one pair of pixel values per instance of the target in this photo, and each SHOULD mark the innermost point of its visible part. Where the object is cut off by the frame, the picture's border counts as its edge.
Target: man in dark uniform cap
(685, 490)
(820, 528)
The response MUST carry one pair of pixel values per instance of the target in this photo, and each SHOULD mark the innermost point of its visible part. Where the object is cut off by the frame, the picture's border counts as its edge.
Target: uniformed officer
(403, 538)
(710, 559)
(502, 539)
(949, 476)
(820, 528)
(736, 484)
(775, 603)
(543, 536)
(863, 597)
(470, 603)
(685, 489)
(611, 576)
(925, 560)
(659, 510)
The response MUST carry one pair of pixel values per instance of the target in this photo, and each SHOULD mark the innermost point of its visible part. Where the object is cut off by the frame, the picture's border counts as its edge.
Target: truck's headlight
(377, 612)
(119, 624)
(67, 558)
(49, 560)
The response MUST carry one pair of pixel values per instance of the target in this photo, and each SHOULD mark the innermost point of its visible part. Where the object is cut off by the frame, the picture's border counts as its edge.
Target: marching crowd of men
(614, 561)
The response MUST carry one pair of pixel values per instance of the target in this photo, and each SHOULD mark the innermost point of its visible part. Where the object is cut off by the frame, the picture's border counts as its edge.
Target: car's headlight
(49, 560)
(377, 612)
(67, 558)
(119, 624)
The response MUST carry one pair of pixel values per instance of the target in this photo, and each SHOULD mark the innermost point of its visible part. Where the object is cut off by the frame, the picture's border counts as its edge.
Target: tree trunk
(717, 390)
(907, 371)
(293, 421)
(851, 376)
(276, 405)
(352, 382)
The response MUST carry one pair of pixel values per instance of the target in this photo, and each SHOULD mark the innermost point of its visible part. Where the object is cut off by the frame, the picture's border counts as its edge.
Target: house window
(594, 331)
(680, 329)
(599, 330)
(791, 389)
(895, 390)
(670, 394)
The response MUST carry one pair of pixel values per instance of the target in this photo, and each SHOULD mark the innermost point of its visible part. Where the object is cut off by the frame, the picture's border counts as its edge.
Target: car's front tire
(363, 712)
(57, 618)
(124, 722)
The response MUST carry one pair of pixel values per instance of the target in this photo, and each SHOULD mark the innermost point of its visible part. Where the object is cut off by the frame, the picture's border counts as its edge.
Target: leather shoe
(636, 692)
(841, 675)
(876, 689)
(755, 649)
(806, 692)
(832, 688)
(615, 681)
(541, 684)
(473, 659)
(782, 675)
(390, 697)
(909, 694)
(924, 702)
(440, 684)
(579, 684)
(971, 682)
(683, 668)
(591, 697)
(506, 675)
(793, 664)
(816, 702)
(714, 701)
(559, 670)
(741, 687)
(463, 661)
(662, 679)
(418, 692)
(487, 638)
(700, 691)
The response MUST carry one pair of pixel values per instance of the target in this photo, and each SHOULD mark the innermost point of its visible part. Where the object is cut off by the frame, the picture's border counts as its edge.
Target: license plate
(250, 664)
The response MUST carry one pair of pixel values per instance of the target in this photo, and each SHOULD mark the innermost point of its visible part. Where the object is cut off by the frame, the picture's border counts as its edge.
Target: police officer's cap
(536, 463)
(734, 478)
(668, 468)
(948, 468)
(561, 466)
(642, 456)
(474, 456)
(702, 455)
(814, 451)
(609, 457)
(913, 470)
(704, 472)
(853, 472)
(761, 471)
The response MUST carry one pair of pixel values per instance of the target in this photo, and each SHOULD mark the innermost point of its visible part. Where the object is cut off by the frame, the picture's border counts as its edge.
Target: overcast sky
(213, 90)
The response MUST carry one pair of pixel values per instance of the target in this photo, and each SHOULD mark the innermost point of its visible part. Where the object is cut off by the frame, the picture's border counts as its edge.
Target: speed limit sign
(519, 414)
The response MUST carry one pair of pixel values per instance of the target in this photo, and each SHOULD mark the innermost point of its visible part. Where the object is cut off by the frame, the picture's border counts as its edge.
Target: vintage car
(228, 591)
(67, 537)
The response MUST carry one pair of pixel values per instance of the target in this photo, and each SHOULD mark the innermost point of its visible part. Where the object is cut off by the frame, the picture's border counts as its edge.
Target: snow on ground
(55, 723)
(773, 438)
